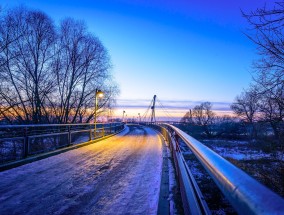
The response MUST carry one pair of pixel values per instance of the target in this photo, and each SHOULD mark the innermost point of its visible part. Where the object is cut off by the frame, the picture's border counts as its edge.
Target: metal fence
(245, 194)
(192, 198)
(20, 141)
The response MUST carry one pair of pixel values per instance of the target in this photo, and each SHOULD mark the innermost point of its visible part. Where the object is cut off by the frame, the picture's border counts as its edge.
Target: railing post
(90, 132)
(26, 143)
(69, 135)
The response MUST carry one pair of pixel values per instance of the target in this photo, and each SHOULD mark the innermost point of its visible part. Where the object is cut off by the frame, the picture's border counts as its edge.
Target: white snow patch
(240, 154)
(233, 142)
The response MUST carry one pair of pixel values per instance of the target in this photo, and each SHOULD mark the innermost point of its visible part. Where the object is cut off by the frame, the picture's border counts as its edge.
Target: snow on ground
(119, 175)
(240, 153)
(231, 142)
(238, 150)
(172, 185)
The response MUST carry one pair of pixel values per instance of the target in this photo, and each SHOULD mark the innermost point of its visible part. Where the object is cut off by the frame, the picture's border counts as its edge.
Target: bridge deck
(119, 175)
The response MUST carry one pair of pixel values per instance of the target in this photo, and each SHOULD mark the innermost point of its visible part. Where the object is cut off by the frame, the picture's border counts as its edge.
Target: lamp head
(99, 93)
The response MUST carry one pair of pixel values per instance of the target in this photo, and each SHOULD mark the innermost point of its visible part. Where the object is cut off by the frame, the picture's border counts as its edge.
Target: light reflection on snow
(119, 175)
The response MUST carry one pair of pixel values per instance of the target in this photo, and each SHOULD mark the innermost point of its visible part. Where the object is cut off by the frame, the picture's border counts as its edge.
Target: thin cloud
(169, 104)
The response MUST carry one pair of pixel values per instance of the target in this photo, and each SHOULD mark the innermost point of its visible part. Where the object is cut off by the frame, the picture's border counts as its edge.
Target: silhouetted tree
(81, 65)
(246, 106)
(203, 116)
(272, 111)
(187, 118)
(267, 33)
(50, 73)
(27, 38)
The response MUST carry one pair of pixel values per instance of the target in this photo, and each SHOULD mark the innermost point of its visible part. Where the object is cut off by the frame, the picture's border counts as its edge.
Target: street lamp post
(99, 94)
(123, 116)
(139, 118)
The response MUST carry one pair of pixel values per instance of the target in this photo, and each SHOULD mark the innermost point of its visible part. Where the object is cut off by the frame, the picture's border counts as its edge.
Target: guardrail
(245, 194)
(192, 198)
(20, 141)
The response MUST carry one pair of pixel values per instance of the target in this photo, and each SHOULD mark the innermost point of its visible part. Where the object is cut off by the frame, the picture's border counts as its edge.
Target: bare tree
(49, 74)
(272, 109)
(246, 106)
(27, 41)
(267, 33)
(187, 118)
(203, 116)
(81, 65)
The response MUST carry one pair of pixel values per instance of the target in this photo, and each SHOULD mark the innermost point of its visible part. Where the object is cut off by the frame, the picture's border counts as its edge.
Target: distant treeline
(48, 72)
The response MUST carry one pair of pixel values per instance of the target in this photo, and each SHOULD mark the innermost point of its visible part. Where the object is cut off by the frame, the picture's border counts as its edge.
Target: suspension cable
(164, 109)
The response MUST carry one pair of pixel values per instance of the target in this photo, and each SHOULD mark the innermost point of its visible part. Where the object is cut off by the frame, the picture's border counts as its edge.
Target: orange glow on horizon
(173, 114)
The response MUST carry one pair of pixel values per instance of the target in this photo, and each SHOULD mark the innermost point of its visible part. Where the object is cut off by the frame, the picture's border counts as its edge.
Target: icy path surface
(120, 175)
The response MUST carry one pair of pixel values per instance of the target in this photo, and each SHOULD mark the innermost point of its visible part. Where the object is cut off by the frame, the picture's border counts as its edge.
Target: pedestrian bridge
(118, 169)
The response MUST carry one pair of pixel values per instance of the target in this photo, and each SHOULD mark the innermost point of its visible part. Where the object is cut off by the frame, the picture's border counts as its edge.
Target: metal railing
(192, 198)
(20, 141)
(245, 194)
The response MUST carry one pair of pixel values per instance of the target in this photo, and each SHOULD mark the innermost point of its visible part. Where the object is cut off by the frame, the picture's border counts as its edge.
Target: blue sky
(190, 50)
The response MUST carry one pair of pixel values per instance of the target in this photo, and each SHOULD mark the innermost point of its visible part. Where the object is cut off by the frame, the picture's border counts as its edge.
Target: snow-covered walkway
(119, 175)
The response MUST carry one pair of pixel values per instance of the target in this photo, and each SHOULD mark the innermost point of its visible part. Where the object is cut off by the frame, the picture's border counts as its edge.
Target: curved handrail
(192, 199)
(246, 195)
(54, 125)
(9, 133)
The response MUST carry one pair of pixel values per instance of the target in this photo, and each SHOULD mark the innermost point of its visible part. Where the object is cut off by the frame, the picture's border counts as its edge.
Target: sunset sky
(182, 51)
